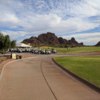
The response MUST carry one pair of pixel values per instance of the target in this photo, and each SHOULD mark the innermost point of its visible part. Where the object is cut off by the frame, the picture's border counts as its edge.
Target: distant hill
(50, 39)
(98, 44)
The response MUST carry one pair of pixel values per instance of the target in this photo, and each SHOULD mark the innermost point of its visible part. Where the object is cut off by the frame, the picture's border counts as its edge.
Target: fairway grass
(87, 68)
(78, 50)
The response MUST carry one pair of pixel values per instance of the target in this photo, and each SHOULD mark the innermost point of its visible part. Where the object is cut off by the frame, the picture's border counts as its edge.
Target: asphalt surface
(38, 78)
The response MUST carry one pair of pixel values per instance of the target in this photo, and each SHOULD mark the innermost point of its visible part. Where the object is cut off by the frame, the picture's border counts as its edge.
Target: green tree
(7, 42)
(1, 41)
(13, 44)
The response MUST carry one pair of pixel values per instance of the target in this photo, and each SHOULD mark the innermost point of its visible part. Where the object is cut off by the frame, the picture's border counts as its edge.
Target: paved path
(40, 79)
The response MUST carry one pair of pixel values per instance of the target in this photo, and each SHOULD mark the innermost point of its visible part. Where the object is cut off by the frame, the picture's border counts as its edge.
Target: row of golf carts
(33, 50)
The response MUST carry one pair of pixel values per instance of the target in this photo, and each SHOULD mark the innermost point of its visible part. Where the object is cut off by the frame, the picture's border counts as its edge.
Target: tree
(1, 41)
(7, 42)
(13, 44)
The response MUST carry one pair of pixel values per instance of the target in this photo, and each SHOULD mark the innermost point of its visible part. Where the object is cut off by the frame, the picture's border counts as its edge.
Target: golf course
(44, 80)
(87, 67)
(78, 50)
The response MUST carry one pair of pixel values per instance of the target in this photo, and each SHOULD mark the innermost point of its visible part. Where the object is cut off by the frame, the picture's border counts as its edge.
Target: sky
(66, 18)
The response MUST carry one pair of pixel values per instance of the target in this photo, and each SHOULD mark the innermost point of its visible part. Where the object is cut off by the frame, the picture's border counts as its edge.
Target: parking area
(32, 50)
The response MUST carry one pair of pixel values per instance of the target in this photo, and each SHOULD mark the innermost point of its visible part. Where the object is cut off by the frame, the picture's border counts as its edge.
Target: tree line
(6, 42)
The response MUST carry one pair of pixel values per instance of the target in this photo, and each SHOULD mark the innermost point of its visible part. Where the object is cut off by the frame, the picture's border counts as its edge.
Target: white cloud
(14, 34)
(51, 23)
(55, 23)
(86, 38)
(8, 17)
(37, 16)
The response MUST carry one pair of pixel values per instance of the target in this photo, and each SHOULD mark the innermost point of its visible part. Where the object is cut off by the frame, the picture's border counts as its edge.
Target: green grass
(77, 50)
(87, 68)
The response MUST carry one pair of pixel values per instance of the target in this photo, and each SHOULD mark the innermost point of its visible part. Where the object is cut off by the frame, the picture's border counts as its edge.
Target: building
(23, 45)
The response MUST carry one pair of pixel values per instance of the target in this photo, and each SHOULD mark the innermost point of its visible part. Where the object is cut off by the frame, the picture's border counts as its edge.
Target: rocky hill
(50, 39)
(98, 44)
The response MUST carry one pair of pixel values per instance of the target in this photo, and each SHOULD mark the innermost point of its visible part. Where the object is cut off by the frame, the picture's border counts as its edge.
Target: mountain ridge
(98, 44)
(50, 39)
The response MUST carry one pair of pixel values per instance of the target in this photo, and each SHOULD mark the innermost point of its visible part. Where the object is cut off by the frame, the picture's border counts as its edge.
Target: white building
(23, 45)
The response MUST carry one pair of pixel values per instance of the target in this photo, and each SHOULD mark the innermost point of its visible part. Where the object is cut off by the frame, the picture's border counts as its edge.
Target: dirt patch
(6, 59)
(3, 62)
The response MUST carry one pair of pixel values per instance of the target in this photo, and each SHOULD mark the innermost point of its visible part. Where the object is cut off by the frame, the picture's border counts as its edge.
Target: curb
(92, 86)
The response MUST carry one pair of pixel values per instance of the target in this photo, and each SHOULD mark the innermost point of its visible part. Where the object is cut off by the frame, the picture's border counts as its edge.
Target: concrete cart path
(40, 79)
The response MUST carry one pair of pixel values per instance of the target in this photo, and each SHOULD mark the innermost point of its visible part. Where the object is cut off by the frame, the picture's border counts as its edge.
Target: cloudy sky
(67, 18)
